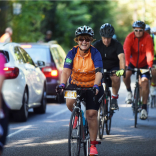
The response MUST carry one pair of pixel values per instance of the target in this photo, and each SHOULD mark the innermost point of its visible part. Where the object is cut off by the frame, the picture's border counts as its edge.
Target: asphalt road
(47, 134)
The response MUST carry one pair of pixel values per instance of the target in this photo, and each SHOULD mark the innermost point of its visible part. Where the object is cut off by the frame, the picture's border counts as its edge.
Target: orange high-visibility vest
(5, 37)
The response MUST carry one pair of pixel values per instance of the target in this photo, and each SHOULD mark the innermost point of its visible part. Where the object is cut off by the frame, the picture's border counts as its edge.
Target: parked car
(25, 84)
(53, 55)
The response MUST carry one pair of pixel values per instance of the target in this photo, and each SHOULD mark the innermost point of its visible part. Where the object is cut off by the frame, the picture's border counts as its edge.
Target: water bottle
(83, 118)
(83, 110)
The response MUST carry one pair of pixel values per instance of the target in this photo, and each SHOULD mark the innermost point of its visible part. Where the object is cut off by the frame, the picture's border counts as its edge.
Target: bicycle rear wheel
(74, 136)
(109, 115)
(101, 120)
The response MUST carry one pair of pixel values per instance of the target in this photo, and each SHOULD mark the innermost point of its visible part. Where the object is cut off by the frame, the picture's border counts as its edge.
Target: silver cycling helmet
(84, 30)
(147, 28)
(153, 30)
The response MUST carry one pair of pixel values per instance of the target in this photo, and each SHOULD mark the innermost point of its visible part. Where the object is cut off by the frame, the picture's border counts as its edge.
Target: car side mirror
(40, 63)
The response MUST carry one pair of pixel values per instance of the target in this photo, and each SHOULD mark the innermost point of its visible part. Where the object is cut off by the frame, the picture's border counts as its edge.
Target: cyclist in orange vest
(5, 38)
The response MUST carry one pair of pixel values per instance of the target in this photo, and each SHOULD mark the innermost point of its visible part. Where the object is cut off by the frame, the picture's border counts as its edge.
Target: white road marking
(60, 112)
(26, 127)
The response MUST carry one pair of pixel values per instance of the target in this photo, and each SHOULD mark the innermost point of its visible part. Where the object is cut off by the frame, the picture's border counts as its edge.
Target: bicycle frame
(108, 113)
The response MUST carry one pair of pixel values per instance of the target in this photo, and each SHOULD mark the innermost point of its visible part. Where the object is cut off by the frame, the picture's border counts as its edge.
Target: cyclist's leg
(127, 81)
(91, 114)
(92, 123)
(69, 103)
(115, 88)
(145, 93)
(144, 89)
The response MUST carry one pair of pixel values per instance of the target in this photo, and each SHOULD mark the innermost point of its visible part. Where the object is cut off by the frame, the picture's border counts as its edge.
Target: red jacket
(146, 52)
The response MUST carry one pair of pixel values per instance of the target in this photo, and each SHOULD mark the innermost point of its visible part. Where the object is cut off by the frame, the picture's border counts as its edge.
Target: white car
(25, 84)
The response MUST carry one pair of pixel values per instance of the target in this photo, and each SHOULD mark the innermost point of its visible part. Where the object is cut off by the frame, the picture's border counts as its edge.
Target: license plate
(70, 94)
(144, 71)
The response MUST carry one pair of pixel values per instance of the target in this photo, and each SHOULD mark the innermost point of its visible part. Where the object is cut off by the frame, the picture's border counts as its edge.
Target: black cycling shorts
(147, 75)
(88, 96)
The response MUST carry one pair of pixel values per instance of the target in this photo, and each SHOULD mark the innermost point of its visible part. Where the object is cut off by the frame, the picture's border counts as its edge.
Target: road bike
(78, 136)
(105, 114)
(136, 103)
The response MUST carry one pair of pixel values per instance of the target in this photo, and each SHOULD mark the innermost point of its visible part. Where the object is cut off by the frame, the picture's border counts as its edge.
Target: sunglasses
(138, 30)
(82, 39)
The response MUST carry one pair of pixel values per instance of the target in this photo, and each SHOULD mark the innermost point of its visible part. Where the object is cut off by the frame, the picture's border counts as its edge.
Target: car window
(26, 56)
(18, 55)
(6, 55)
(39, 54)
(58, 55)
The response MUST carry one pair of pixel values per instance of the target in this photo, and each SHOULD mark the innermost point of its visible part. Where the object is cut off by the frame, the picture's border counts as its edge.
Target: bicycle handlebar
(109, 73)
(142, 71)
(77, 89)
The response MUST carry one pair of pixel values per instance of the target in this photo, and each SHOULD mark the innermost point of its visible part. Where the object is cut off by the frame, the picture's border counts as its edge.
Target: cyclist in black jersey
(113, 58)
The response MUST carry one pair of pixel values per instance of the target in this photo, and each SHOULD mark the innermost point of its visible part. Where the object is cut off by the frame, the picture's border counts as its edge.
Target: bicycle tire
(74, 136)
(101, 120)
(152, 101)
(87, 143)
(109, 115)
(136, 105)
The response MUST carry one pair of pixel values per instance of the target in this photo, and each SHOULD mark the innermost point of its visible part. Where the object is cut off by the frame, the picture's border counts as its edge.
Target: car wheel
(22, 114)
(60, 97)
(42, 108)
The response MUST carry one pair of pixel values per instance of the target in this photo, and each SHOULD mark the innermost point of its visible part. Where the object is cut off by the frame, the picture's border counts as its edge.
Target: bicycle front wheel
(136, 105)
(74, 137)
(86, 144)
(109, 116)
(101, 120)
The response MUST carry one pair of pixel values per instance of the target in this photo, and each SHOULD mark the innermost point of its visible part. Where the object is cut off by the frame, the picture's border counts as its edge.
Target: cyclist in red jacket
(138, 49)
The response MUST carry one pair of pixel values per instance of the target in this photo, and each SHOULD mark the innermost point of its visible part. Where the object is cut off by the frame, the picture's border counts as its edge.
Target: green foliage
(63, 17)
(3, 16)
(26, 26)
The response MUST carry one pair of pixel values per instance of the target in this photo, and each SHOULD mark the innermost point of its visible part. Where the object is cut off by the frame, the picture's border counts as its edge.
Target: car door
(21, 64)
(37, 80)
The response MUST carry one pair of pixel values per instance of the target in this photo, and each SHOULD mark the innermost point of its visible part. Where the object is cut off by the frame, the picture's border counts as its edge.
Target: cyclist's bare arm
(65, 75)
(122, 60)
(98, 77)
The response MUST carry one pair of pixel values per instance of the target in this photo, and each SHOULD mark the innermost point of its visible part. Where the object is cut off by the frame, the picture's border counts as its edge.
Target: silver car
(25, 84)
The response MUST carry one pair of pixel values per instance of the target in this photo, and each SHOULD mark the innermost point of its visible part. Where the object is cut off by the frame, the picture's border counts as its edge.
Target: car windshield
(39, 54)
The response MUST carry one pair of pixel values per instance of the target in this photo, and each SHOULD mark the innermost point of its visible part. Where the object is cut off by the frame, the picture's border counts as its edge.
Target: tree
(26, 26)
(3, 16)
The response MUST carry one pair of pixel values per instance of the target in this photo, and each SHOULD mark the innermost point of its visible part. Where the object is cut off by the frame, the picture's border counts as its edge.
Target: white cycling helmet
(153, 30)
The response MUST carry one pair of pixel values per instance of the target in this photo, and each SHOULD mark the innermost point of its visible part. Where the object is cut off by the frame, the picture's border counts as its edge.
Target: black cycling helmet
(107, 30)
(84, 30)
(138, 24)
(147, 28)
